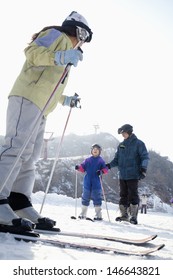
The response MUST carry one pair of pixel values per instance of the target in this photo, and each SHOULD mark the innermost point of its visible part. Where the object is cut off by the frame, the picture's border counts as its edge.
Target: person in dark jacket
(94, 166)
(132, 159)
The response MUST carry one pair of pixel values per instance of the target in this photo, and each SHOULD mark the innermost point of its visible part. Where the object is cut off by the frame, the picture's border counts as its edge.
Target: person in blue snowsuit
(132, 159)
(94, 166)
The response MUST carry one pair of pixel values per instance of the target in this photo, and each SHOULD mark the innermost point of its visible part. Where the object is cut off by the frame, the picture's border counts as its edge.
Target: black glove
(99, 172)
(72, 101)
(76, 167)
(108, 165)
(75, 102)
(143, 172)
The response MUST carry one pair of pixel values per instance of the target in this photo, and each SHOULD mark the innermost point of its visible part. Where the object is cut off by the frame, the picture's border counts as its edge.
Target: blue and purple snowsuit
(91, 184)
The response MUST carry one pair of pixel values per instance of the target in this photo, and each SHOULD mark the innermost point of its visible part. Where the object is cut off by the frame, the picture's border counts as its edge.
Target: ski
(90, 247)
(16, 230)
(141, 241)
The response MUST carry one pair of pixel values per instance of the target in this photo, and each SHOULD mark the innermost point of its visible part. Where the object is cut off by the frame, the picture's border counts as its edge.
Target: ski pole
(56, 159)
(76, 196)
(104, 198)
(40, 115)
(75, 216)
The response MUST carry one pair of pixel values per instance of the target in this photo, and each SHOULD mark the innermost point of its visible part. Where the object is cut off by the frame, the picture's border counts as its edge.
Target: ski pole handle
(75, 102)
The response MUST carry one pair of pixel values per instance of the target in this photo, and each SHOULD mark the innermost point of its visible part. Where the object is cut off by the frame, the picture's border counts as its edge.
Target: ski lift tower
(96, 127)
(47, 138)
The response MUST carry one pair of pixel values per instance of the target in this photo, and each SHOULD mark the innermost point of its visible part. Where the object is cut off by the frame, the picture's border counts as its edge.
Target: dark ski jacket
(130, 157)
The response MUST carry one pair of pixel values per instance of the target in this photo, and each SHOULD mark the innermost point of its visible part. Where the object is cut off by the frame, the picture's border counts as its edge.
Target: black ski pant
(129, 192)
(144, 208)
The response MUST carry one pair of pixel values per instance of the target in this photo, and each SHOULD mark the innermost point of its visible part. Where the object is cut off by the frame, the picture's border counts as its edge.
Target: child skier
(94, 166)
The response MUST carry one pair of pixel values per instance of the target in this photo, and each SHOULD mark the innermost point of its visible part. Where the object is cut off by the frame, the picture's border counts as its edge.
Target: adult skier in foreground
(131, 158)
(48, 54)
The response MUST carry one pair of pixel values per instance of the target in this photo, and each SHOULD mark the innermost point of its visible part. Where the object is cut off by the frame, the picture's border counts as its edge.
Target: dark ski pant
(144, 209)
(128, 192)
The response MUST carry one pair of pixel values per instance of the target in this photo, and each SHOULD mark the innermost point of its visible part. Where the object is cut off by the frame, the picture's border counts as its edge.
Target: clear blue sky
(126, 74)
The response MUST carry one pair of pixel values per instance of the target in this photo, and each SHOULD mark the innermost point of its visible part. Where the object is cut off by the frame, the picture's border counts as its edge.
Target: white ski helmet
(77, 20)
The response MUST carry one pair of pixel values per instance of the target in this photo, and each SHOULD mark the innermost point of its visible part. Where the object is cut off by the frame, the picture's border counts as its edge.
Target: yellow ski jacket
(39, 74)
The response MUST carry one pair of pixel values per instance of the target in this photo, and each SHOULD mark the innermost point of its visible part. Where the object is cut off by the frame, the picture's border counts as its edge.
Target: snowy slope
(61, 208)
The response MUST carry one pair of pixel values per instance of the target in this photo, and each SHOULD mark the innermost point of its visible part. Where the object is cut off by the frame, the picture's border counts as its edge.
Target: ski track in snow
(61, 208)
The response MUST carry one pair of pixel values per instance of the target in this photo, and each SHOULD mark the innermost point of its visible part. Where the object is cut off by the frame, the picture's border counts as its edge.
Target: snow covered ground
(61, 208)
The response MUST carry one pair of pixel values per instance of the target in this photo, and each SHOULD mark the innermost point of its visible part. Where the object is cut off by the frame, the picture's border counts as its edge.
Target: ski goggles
(82, 34)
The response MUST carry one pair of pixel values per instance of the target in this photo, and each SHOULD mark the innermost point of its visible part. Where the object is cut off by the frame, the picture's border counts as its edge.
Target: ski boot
(10, 222)
(124, 214)
(24, 209)
(133, 213)
(98, 216)
(83, 212)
